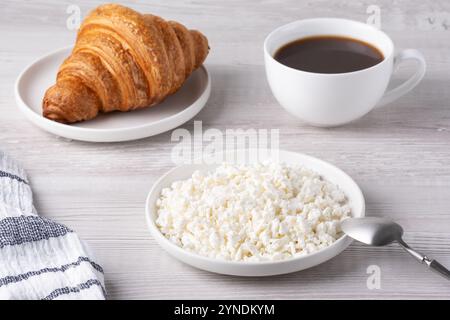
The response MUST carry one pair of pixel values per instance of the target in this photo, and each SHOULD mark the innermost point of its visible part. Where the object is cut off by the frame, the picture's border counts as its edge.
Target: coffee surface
(328, 54)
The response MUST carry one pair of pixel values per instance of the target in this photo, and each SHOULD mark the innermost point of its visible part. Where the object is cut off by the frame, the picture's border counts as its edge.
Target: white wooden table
(400, 155)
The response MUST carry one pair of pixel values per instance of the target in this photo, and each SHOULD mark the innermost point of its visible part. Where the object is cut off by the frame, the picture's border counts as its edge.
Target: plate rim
(74, 132)
(340, 244)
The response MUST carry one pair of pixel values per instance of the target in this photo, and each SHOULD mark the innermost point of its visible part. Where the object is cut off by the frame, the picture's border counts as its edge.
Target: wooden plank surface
(400, 155)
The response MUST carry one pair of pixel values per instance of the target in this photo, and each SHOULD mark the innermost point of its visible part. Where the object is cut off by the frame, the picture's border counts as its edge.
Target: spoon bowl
(373, 231)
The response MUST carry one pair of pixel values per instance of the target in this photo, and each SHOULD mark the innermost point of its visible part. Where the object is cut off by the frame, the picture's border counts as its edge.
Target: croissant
(122, 60)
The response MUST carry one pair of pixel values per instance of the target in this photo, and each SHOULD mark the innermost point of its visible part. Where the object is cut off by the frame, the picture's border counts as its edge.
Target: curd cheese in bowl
(279, 215)
(258, 212)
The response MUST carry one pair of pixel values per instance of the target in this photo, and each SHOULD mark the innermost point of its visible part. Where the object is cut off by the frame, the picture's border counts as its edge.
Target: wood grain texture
(400, 155)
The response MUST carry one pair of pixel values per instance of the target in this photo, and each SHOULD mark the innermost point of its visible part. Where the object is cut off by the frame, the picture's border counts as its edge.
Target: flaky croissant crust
(122, 60)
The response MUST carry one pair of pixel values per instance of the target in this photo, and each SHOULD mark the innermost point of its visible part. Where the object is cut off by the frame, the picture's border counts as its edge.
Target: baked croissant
(122, 60)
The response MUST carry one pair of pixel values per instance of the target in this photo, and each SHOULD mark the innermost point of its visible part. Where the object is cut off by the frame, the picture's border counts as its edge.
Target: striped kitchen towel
(39, 258)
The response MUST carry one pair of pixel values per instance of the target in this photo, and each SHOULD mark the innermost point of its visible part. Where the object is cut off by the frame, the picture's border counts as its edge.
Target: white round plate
(116, 126)
(326, 170)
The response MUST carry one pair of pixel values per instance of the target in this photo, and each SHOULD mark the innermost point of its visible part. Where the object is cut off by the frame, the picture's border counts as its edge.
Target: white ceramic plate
(326, 170)
(117, 126)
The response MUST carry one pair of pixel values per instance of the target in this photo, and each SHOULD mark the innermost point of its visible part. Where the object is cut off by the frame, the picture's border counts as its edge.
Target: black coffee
(328, 54)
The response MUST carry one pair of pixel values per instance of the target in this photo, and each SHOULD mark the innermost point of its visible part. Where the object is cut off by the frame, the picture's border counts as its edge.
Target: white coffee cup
(334, 99)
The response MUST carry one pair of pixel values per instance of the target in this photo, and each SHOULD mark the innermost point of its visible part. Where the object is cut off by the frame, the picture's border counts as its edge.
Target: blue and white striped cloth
(40, 259)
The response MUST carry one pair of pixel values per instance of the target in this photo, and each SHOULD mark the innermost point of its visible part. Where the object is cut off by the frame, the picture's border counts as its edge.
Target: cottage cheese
(260, 212)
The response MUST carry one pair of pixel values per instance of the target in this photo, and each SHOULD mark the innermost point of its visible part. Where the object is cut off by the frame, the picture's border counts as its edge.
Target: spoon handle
(431, 263)
(438, 268)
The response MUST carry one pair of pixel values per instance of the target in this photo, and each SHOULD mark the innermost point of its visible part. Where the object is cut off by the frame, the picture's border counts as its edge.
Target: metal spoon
(380, 232)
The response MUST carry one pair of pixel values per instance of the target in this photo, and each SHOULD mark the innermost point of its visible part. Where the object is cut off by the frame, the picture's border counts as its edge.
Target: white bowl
(326, 170)
(116, 126)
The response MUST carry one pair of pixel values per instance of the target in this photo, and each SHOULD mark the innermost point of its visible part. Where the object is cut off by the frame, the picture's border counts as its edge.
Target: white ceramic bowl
(116, 126)
(326, 170)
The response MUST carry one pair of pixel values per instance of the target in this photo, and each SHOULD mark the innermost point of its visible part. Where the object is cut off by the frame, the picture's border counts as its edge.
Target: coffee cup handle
(408, 85)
